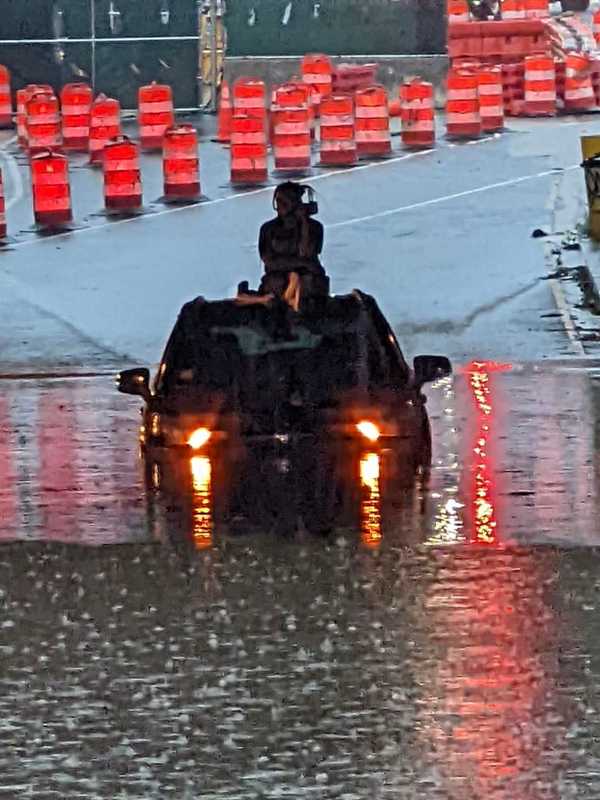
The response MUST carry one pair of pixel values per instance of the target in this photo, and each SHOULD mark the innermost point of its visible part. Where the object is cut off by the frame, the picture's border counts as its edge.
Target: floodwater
(440, 642)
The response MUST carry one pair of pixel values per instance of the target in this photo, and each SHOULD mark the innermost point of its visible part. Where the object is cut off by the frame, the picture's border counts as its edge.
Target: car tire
(575, 5)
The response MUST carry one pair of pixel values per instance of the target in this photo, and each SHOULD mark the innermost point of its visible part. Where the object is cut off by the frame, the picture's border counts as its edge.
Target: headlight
(369, 430)
(199, 438)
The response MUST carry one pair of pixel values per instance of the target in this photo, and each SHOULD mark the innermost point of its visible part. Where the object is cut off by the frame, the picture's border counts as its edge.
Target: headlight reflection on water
(202, 510)
(370, 507)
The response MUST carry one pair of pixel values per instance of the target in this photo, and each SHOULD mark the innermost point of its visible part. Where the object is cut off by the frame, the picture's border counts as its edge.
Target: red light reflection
(483, 490)
(9, 507)
(370, 507)
(202, 516)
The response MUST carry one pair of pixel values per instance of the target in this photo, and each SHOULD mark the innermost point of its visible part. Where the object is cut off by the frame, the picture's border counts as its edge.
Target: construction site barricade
(317, 72)
(579, 91)
(105, 125)
(491, 101)
(348, 78)
(122, 177)
(250, 99)
(6, 120)
(540, 86)
(51, 189)
(225, 112)
(248, 150)
(76, 102)
(338, 142)
(291, 139)
(372, 122)
(417, 114)
(297, 94)
(181, 163)
(155, 114)
(463, 120)
(43, 123)
(2, 209)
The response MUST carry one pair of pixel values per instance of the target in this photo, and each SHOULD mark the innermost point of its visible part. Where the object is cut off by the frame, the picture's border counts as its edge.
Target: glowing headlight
(199, 438)
(369, 430)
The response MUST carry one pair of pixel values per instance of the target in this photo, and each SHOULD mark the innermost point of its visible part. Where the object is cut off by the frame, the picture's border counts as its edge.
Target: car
(235, 374)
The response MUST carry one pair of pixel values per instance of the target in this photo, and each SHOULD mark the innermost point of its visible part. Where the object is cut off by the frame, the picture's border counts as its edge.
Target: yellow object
(199, 438)
(590, 149)
(369, 430)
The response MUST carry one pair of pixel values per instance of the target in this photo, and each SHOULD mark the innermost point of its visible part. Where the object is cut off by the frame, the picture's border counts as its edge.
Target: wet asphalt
(178, 637)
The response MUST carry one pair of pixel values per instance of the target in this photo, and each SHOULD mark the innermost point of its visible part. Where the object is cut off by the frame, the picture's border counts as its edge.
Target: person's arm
(264, 244)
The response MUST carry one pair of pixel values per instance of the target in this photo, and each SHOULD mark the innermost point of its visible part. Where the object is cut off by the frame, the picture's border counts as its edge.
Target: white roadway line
(217, 201)
(567, 320)
(445, 198)
(13, 168)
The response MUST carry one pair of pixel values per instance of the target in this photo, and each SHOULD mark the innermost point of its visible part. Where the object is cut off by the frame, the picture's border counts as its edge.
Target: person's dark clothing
(279, 241)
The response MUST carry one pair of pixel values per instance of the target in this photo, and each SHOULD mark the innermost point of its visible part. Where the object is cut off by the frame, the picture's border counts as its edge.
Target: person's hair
(290, 189)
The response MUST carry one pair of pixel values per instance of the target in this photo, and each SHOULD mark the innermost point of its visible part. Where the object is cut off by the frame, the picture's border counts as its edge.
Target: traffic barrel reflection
(76, 103)
(155, 114)
(122, 176)
(181, 164)
(51, 189)
(6, 120)
(105, 125)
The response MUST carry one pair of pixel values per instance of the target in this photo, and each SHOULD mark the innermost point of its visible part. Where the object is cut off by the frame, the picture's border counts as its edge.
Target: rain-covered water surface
(441, 642)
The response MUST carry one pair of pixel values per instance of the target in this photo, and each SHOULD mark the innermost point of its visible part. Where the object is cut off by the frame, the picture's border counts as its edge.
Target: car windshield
(249, 364)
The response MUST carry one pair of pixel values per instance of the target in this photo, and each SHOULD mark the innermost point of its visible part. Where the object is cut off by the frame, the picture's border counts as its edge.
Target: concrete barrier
(392, 69)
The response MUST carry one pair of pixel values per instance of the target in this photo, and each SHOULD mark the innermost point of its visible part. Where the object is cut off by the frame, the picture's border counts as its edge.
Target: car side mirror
(134, 381)
(431, 368)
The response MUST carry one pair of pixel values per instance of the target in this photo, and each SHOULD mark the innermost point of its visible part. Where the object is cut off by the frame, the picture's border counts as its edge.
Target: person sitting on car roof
(291, 243)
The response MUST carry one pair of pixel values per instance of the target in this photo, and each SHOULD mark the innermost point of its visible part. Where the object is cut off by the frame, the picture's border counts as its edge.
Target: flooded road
(440, 642)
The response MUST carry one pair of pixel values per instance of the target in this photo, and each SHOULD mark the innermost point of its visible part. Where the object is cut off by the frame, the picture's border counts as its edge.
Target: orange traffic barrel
(248, 150)
(225, 114)
(417, 114)
(105, 125)
(536, 8)
(181, 164)
(2, 209)
(51, 189)
(338, 142)
(249, 98)
(122, 176)
(540, 86)
(43, 123)
(513, 9)
(579, 91)
(491, 101)
(291, 139)
(372, 122)
(297, 94)
(317, 72)
(463, 120)
(155, 114)
(76, 103)
(457, 11)
(6, 120)
(23, 97)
